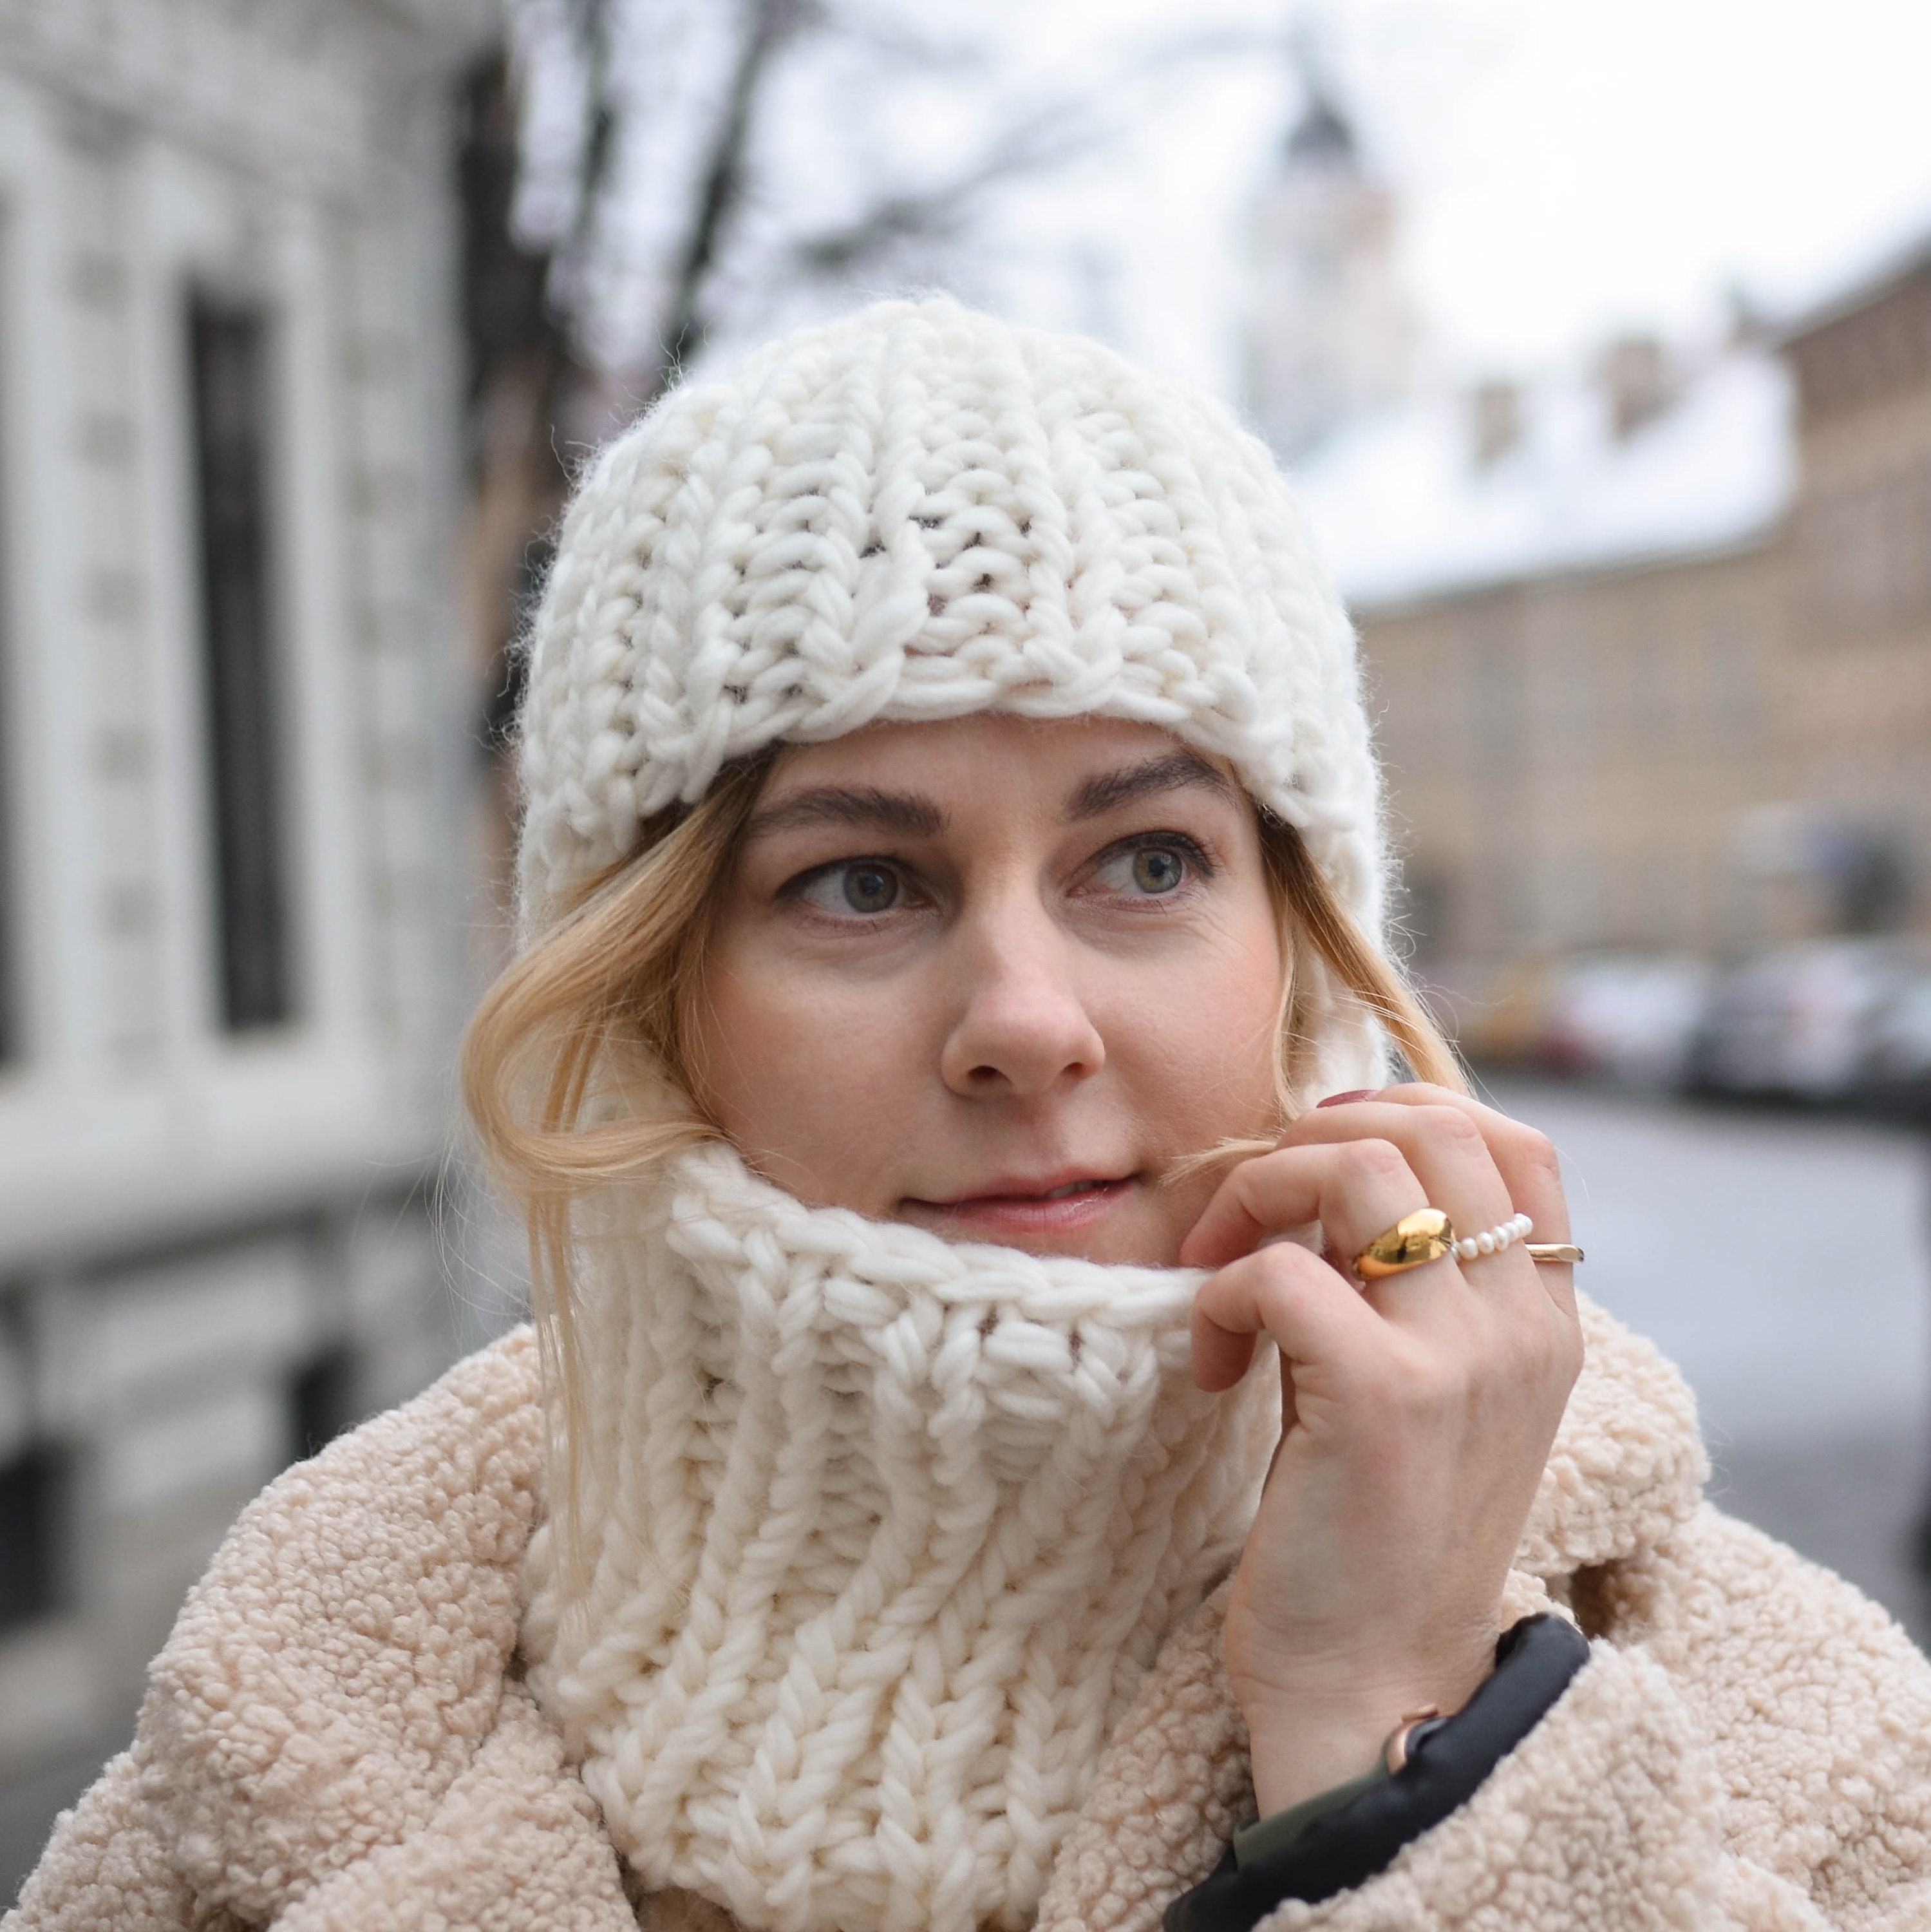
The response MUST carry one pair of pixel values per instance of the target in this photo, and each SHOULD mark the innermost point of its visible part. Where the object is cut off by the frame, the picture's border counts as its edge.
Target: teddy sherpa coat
(338, 1734)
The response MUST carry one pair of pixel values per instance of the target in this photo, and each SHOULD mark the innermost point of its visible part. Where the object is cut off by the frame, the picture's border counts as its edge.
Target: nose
(1022, 1028)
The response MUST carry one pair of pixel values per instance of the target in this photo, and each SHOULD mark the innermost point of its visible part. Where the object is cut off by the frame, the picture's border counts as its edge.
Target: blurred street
(1781, 1261)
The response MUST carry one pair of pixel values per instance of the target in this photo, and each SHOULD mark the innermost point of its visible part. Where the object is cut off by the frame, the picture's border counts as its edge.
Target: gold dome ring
(1414, 1240)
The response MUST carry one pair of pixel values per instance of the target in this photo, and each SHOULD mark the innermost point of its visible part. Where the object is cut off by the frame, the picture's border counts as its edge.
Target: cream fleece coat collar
(338, 1738)
(339, 1720)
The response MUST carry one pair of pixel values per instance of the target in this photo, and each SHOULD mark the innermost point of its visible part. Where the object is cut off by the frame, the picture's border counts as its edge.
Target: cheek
(1199, 1041)
(805, 1076)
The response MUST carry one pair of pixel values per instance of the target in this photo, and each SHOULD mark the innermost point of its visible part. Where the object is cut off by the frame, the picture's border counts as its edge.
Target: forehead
(1019, 757)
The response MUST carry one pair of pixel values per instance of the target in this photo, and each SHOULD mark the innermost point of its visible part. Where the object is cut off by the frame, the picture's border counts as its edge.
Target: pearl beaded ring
(1493, 1241)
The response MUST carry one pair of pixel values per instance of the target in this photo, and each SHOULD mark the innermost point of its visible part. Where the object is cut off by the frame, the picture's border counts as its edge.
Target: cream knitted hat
(918, 512)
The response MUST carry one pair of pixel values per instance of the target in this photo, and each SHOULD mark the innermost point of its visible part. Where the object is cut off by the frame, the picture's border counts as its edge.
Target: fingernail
(1342, 1099)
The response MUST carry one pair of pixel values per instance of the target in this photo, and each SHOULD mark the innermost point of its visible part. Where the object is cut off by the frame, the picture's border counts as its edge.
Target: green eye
(1156, 869)
(870, 888)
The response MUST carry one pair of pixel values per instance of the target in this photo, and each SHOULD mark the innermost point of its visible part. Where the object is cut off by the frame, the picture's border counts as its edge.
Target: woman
(1032, 1428)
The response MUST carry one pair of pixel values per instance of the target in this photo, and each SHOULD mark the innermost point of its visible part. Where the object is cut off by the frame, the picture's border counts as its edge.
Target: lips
(1020, 1189)
(1051, 1213)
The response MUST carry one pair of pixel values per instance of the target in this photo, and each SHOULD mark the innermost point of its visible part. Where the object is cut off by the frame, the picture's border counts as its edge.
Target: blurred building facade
(1857, 676)
(1651, 648)
(230, 685)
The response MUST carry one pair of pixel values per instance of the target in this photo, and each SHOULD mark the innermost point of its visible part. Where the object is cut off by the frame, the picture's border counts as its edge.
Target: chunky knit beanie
(919, 512)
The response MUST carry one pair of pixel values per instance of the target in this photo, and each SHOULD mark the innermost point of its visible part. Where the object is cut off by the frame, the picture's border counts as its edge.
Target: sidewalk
(1783, 1262)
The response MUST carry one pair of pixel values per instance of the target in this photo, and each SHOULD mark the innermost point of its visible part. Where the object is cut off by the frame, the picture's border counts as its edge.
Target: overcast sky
(1566, 166)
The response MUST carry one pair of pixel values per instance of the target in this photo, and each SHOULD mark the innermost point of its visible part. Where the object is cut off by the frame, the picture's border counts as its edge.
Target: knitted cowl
(883, 1533)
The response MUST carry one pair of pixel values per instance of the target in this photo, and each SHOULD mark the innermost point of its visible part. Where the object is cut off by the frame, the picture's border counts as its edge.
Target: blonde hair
(580, 1067)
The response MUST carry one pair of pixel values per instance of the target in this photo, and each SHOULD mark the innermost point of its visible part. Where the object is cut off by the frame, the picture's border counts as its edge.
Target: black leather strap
(1534, 1661)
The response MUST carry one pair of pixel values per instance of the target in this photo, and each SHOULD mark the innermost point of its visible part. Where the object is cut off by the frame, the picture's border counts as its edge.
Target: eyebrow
(863, 808)
(1175, 771)
(911, 815)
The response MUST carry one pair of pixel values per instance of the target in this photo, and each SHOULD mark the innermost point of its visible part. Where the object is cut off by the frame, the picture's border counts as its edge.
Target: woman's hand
(1417, 1415)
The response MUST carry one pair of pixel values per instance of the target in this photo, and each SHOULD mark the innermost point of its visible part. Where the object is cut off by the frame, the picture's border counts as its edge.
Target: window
(321, 1402)
(227, 348)
(10, 1037)
(32, 1489)
(10, 1017)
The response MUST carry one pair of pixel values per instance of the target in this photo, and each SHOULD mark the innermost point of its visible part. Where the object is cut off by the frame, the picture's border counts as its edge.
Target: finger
(1523, 1157)
(1530, 1167)
(1311, 1313)
(1447, 1150)
(1443, 1147)
(1354, 1188)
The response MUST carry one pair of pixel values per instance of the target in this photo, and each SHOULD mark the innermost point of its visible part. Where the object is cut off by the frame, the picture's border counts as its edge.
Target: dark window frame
(13, 921)
(323, 1397)
(36, 1509)
(230, 349)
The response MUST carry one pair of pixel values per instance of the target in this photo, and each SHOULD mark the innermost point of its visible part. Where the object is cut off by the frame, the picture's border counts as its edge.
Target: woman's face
(991, 976)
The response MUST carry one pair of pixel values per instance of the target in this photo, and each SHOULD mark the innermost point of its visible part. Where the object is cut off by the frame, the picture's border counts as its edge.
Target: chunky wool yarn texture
(888, 1531)
(918, 512)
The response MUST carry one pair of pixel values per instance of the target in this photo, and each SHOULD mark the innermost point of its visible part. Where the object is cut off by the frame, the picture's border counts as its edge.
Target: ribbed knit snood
(884, 1532)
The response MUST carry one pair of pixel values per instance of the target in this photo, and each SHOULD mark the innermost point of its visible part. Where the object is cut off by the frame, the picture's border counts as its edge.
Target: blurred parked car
(1498, 1018)
(1897, 1062)
(1801, 1022)
(1628, 1017)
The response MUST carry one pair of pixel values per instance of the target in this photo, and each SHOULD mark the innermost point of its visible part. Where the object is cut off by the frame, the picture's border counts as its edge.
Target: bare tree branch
(1048, 140)
(1077, 123)
(1064, 130)
(891, 39)
(772, 23)
(590, 29)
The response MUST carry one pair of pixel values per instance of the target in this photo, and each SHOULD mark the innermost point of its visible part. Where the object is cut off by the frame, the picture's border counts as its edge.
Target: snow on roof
(1404, 511)
(1878, 271)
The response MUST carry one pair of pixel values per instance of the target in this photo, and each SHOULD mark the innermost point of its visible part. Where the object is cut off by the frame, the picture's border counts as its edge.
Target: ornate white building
(1333, 338)
(230, 769)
